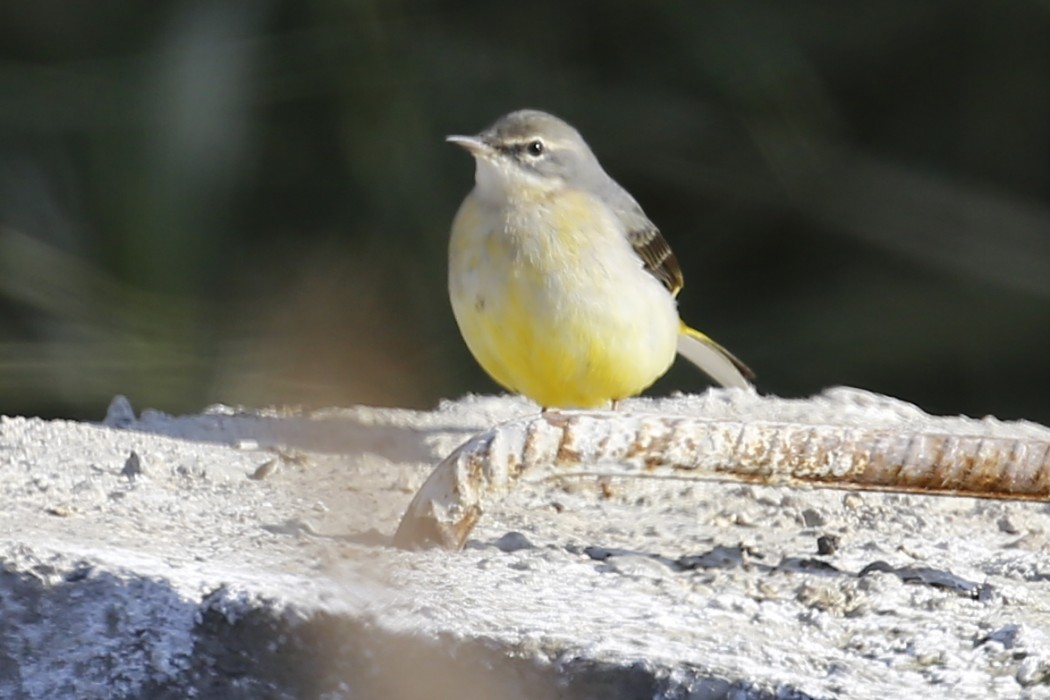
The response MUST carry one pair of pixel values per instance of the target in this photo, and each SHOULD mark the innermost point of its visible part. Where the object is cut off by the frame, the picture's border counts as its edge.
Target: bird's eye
(535, 148)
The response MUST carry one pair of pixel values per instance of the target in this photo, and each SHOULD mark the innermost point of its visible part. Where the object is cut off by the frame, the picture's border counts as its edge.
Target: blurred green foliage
(248, 202)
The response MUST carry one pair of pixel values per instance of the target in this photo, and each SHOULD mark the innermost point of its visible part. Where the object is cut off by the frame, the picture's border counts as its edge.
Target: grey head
(533, 148)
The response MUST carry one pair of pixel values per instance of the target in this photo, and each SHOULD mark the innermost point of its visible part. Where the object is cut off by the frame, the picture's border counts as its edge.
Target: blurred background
(249, 202)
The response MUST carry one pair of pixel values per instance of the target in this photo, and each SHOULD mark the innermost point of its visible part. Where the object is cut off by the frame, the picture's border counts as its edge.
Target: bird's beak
(473, 144)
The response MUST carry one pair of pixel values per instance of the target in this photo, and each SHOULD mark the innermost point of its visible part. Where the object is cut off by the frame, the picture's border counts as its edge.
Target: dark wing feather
(642, 233)
(656, 254)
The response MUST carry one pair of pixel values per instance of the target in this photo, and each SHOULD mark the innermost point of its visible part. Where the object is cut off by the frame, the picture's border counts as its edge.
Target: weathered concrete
(175, 574)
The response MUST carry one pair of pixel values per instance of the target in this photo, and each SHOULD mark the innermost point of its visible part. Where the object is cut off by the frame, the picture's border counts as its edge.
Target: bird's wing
(644, 237)
(656, 255)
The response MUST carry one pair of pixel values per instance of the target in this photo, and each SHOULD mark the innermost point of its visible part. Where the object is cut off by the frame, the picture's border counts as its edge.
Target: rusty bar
(990, 463)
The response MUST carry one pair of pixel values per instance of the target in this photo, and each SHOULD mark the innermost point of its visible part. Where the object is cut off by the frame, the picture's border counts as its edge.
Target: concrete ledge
(246, 555)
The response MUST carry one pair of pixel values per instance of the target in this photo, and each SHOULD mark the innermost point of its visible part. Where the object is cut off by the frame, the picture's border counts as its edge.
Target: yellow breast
(553, 302)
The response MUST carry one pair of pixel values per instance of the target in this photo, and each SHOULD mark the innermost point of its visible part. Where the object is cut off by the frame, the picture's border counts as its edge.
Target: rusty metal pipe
(990, 462)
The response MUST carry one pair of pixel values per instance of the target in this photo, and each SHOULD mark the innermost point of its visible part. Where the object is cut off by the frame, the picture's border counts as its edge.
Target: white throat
(490, 179)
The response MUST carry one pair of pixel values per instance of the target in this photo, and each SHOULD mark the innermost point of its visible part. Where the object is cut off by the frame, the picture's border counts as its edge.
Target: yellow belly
(567, 319)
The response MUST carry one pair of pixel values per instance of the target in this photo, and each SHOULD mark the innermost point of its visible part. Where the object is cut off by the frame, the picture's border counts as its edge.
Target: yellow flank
(553, 302)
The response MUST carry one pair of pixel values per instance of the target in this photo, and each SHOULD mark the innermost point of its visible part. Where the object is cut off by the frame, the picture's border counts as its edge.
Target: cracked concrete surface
(247, 555)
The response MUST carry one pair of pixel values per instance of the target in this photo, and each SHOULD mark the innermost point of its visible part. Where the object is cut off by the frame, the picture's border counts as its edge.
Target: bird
(563, 289)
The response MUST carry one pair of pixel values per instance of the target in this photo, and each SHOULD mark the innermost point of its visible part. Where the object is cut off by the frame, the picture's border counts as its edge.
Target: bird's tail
(720, 364)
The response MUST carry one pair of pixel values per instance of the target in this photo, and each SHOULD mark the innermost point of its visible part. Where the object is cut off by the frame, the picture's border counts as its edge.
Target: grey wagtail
(563, 289)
